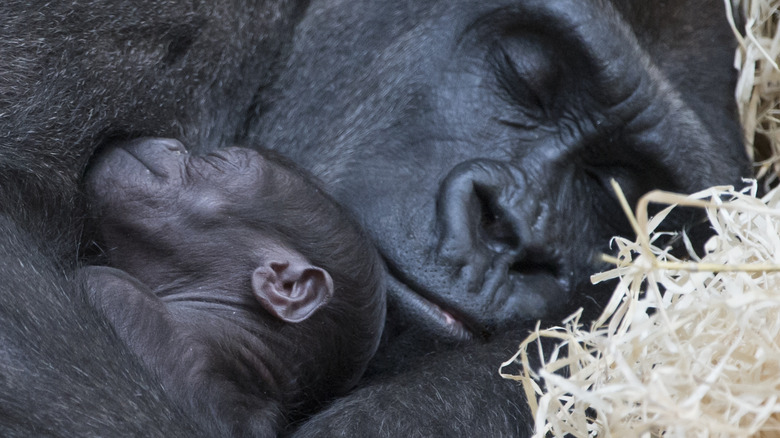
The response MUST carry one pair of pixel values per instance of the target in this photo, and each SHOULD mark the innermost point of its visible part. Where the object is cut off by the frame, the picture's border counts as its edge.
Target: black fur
(472, 139)
(475, 140)
(77, 74)
(192, 230)
(63, 371)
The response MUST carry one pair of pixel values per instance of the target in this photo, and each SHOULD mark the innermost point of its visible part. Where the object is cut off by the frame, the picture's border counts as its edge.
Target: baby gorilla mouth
(156, 167)
(154, 156)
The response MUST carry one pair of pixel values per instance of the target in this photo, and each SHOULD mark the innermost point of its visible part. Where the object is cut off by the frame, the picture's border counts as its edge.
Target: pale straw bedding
(685, 348)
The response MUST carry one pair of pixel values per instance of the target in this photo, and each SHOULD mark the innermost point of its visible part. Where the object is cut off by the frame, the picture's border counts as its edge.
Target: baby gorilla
(235, 279)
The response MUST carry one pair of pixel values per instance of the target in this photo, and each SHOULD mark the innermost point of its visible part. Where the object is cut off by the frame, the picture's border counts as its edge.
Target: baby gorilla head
(234, 277)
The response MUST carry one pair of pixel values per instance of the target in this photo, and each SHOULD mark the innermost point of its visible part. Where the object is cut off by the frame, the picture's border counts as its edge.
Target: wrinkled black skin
(390, 104)
(186, 233)
(475, 141)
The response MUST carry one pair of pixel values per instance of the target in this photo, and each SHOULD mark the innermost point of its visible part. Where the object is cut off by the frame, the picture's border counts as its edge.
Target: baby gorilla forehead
(152, 177)
(154, 189)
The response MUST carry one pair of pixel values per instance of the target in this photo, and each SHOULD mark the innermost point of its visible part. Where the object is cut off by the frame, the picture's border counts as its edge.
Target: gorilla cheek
(399, 218)
(477, 252)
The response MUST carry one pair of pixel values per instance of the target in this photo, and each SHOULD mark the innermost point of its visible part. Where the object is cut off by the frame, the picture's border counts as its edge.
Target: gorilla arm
(452, 393)
(195, 370)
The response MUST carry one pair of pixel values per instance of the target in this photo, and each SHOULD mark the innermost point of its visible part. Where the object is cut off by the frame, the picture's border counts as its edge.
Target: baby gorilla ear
(291, 290)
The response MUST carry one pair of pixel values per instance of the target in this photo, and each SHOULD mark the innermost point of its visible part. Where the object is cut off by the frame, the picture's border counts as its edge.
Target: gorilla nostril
(533, 264)
(475, 212)
(495, 230)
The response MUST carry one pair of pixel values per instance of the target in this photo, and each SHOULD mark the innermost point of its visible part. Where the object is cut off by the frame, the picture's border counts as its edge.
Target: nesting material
(685, 348)
(758, 87)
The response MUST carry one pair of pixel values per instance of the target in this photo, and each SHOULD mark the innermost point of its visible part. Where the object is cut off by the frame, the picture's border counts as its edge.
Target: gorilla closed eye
(527, 73)
(627, 179)
(518, 91)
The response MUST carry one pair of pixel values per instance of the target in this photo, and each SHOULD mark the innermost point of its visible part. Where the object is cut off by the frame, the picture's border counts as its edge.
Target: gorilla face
(157, 205)
(475, 140)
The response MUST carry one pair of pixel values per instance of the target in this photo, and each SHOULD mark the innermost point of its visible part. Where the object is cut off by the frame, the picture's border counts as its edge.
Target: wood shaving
(684, 348)
(758, 87)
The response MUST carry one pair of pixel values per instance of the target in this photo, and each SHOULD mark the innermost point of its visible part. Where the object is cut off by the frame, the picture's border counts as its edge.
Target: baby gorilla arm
(138, 316)
(286, 285)
(144, 322)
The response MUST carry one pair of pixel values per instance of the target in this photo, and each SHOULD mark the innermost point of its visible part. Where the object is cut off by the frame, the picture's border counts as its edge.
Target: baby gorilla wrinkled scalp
(235, 279)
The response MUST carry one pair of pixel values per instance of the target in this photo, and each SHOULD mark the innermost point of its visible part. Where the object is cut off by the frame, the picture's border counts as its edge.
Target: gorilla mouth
(443, 319)
(523, 291)
(147, 165)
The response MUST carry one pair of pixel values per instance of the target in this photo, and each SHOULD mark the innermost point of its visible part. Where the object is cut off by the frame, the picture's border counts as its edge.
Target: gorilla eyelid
(517, 124)
(600, 176)
(517, 80)
(622, 173)
(519, 91)
(218, 159)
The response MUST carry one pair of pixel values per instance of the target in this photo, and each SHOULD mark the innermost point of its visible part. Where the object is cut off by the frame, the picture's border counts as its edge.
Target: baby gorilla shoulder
(234, 278)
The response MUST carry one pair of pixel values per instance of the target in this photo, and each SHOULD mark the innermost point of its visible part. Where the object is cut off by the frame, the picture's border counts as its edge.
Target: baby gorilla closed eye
(245, 288)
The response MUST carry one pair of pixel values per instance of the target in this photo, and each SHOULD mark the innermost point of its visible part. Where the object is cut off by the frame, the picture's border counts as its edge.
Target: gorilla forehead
(475, 139)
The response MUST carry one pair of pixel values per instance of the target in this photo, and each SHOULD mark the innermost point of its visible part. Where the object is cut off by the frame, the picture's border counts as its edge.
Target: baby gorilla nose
(146, 145)
(140, 172)
(171, 144)
(164, 144)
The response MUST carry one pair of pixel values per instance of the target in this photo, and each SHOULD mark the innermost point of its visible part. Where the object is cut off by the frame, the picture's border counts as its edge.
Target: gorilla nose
(476, 213)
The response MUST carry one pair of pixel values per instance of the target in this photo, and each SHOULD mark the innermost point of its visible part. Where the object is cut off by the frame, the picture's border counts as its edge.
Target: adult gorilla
(472, 138)
(475, 141)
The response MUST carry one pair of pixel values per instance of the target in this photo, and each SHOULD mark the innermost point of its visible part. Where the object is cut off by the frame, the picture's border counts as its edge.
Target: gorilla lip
(454, 326)
(155, 170)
